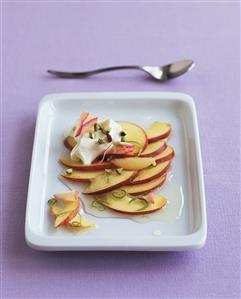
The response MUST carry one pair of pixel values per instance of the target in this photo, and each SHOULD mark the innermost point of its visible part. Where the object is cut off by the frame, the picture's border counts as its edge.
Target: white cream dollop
(87, 149)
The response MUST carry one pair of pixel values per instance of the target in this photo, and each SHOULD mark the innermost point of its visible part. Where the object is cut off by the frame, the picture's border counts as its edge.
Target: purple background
(37, 36)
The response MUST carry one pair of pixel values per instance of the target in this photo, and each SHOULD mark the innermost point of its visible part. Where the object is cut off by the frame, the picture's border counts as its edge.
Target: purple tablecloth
(41, 35)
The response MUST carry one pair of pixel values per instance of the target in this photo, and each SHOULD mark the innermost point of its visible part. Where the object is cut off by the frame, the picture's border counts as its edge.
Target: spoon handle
(93, 72)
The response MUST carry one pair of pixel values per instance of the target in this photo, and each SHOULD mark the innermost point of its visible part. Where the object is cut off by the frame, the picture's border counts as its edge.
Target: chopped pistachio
(97, 127)
(106, 132)
(123, 133)
(92, 135)
(69, 171)
(52, 201)
(119, 170)
(101, 141)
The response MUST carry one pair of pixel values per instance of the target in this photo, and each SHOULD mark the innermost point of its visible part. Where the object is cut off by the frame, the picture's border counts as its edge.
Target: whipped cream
(88, 149)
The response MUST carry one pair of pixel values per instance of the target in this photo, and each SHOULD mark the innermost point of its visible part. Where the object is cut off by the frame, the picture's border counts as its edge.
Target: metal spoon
(160, 73)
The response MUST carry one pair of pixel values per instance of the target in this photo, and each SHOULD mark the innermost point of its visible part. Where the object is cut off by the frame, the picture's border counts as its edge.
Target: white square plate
(55, 115)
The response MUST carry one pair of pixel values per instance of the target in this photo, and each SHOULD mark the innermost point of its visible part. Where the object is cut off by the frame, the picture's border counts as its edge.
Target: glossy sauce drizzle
(172, 211)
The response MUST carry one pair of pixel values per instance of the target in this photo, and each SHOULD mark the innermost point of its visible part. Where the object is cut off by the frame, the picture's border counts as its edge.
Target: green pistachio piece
(119, 170)
(101, 141)
(97, 127)
(92, 135)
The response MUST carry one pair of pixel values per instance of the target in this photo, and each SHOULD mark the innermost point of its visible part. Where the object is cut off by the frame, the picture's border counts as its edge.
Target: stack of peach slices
(65, 208)
(124, 176)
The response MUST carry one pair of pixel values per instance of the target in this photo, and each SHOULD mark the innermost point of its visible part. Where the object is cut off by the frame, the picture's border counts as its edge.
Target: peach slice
(109, 181)
(60, 207)
(151, 173)
(158, 131)
(86, 222)
(128, 205)
(146, 187)
(154, 149)
(134, 134)
(89, 118)
(88, 124)
(122, 150)
(85, 167)
(61, 219)
(81, 221)
(133, 163)
(83, 117)
(76, 221)
(81, 176)
(69, 196)
(64, 206)
(166, 155)
(64, 218)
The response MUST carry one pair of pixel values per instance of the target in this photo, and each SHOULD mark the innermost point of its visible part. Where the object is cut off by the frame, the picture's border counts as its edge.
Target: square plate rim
(168, 243)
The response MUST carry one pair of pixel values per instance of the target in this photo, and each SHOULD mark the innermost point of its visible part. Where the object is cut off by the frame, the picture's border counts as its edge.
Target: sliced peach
(166, 155)
(86, 222)
(109, 181)
(146, 187)
(123, 150)
(76, 221)
(154, 149)
(158, 131)
(61, 219)
(135, 135)
(89, 118)
(69, 196)
(151, 173)
(132, 206)
(60, 207)
(81, 221)
(85, 167)
(81, 176)
(83, 117)
(64, 218)
(88, 124)
(133, 163)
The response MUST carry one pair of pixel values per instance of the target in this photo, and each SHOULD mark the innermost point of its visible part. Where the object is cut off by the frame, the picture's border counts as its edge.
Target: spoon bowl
(169, 71)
